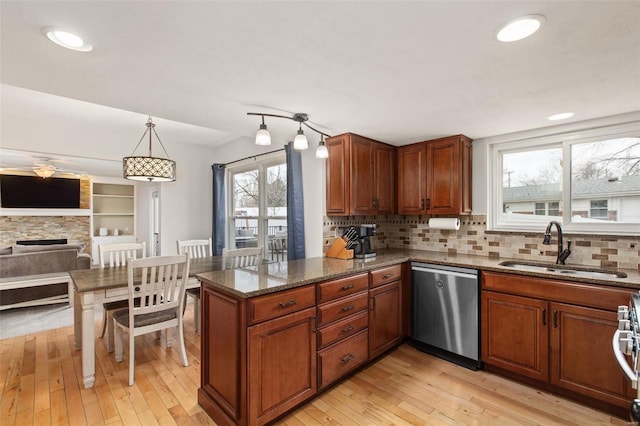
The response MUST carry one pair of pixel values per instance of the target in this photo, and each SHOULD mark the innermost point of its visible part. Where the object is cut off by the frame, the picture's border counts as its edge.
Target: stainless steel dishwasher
(446, 312)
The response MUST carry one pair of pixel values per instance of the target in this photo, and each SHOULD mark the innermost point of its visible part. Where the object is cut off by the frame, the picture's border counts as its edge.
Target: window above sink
(589, 181)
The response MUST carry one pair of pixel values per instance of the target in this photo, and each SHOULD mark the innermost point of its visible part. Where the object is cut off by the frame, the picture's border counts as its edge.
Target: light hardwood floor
(41, 377)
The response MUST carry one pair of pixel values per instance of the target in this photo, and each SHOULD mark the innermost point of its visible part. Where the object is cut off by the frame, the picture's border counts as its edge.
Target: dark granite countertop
(273, 277)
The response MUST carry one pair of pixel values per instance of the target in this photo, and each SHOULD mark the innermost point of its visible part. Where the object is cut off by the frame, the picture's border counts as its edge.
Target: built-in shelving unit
(113, 214)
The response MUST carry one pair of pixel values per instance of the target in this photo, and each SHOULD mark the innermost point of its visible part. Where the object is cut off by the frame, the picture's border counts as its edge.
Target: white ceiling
(399, 72)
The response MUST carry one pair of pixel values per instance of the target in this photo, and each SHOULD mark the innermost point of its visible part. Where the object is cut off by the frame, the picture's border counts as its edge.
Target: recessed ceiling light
(66, 39)
(520, 28)
(560, 116)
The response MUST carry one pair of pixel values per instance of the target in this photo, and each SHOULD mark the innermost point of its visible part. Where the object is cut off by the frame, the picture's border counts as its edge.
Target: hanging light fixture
(321, 150)
(263, 137)
(300, 142)
(45, 170)
(149, 168)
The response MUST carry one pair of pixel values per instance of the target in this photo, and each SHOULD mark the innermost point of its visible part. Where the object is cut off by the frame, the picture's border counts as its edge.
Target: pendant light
(300, 142)
(321, 150)
(149, 168)
(263, 137)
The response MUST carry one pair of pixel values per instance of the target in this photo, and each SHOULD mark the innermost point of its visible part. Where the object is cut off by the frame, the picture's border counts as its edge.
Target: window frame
(263, 216)
(496, 218)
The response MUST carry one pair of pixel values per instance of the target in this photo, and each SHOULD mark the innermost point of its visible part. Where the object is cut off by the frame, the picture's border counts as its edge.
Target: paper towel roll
(451, 223)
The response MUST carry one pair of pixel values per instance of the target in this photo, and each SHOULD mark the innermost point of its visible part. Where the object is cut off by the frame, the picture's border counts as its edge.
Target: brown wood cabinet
(263, 356)
(342, 327)
(554, 332)
(385, 318)
(434, 177)
(282, 364)
(385, 309)
(361, 176)
(246, 376)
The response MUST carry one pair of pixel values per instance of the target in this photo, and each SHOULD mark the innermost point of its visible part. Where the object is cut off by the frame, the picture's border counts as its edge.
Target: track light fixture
(263, 137)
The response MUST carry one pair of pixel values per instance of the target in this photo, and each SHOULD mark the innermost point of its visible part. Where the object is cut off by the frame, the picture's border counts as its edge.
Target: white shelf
(113, 207)
(111, 196)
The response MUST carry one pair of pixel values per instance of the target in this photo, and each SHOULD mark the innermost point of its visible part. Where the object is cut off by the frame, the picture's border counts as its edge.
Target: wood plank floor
(41, 380)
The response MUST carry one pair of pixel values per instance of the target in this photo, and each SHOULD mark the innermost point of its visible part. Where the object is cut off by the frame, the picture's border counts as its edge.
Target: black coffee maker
(362, 247)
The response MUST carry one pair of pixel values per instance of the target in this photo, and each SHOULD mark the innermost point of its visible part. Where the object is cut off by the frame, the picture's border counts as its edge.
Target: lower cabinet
(340, 359)
(282, 364)
(385, 318)
(263, 356)
(581, 357)
(555, 332)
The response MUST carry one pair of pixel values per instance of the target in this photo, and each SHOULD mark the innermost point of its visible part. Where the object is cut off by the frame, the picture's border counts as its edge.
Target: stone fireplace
(76, 229)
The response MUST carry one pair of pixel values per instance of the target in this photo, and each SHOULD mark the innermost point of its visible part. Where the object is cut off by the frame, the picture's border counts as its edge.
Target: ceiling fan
(44, 168)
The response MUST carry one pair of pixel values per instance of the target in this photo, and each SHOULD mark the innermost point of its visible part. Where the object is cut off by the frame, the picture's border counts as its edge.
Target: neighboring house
(615, 199)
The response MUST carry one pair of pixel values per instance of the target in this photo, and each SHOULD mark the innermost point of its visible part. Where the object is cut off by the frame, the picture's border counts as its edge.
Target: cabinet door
(385, 179)
(412, 178)
(515, 334)
(581, 356)
(338, 176)
(385, 318)
(362, 175)
(443, 176)
(282, 364)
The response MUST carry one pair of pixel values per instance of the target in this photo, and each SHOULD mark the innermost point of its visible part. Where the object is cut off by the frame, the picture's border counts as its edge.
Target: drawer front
(386, 275)
(343, 287)
(281, 303)
(337, 360)
(342, 329)
(342, 308)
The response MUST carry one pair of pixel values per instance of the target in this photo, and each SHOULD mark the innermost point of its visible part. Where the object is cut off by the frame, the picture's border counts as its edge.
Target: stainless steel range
(626, 347)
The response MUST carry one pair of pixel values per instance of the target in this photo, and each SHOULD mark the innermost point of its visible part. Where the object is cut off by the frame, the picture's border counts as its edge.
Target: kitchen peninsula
(275, 335)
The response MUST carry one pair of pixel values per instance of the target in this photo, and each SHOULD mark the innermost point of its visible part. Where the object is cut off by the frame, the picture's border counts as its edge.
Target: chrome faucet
(562, 252)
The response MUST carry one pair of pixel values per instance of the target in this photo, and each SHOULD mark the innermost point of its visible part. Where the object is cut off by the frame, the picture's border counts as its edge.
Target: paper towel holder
(445, 223)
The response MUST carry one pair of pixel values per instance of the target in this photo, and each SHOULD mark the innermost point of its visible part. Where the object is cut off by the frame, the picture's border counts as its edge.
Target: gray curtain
(295, 204)
(219, 213)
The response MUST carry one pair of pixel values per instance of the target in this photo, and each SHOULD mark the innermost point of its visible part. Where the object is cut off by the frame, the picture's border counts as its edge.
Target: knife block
(338, 250)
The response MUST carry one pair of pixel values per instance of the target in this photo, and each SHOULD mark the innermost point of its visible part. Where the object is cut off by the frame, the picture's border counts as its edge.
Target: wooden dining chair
(109, 256)
(160, 282)
(196, 249)
(239, 258)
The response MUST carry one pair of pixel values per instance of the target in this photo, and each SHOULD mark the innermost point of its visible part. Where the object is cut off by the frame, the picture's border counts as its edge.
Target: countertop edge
(389, 258)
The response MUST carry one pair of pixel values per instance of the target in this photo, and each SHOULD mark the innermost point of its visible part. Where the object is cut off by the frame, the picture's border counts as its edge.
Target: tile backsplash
(412, 232)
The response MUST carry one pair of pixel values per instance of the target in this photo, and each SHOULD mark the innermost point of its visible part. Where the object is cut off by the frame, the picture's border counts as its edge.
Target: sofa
(37, 275)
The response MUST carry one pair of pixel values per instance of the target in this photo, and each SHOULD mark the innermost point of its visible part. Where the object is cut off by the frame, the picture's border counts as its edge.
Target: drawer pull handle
(347, 358)
(387, 275)
(346, 308)
(347, 287)
(287, 304)
(544, 317)
(348, 329)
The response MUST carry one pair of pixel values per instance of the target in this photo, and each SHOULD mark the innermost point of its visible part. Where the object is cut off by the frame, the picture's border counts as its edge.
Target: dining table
(93, 287)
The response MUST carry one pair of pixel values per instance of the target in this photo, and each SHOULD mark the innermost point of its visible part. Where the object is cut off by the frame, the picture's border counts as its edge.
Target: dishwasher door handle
(444, 271)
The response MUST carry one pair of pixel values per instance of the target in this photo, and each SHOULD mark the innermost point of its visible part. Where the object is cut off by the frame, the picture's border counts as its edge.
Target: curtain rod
(254, 156)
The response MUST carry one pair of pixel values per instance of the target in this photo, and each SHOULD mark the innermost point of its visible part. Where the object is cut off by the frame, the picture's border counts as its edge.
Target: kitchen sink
(563, 269)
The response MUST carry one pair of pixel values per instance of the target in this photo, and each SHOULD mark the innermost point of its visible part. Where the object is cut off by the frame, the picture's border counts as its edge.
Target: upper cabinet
(361, 176)
(434, 177)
